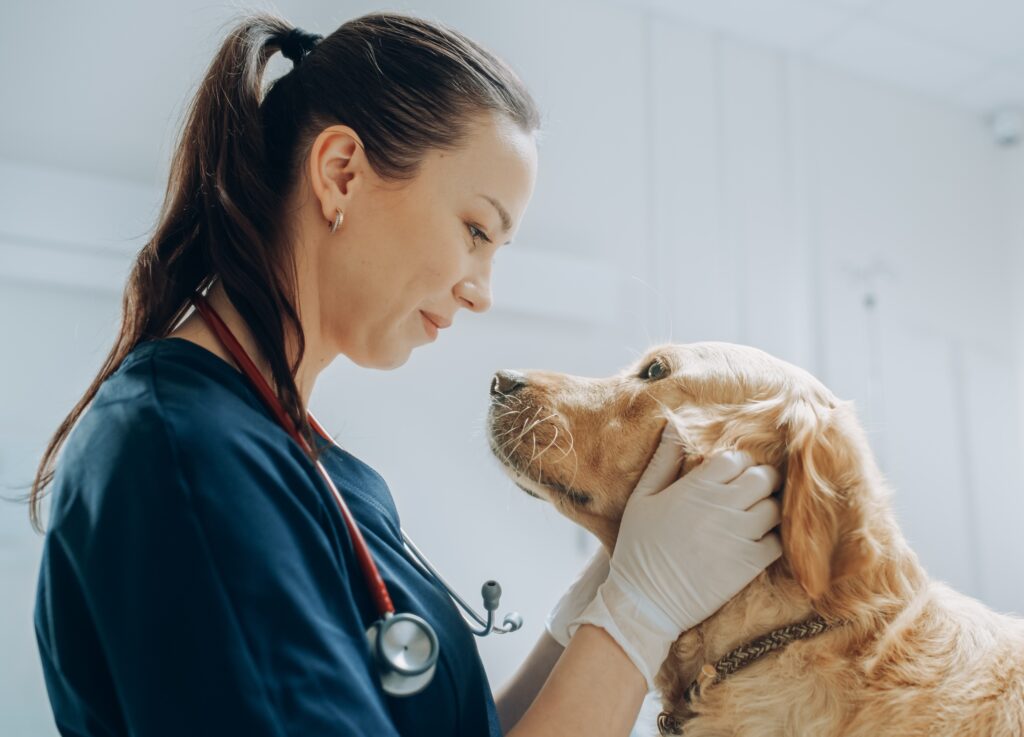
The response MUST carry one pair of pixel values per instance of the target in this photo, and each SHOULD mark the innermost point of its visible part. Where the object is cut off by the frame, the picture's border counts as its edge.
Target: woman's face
(423, 246)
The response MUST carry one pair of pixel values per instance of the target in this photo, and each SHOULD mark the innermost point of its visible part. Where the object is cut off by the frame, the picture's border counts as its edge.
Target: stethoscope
(403, 645)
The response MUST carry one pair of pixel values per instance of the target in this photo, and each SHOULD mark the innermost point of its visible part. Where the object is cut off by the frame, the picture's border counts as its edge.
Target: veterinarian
(199, 574)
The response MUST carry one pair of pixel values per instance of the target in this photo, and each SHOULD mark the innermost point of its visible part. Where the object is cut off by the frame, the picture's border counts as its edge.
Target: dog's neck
(774, 599)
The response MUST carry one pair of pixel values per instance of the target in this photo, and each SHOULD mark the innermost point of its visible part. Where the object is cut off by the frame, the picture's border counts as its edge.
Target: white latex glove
(579, 594)
(685, 547)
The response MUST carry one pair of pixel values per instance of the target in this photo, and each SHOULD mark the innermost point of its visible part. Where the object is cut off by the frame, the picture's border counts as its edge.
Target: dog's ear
(827, 497)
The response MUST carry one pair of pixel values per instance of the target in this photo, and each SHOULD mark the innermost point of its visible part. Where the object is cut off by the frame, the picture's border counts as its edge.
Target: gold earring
(337, 220)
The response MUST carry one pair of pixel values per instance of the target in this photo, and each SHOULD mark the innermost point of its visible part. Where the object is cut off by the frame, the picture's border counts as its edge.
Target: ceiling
(967, 52)
(135, 64)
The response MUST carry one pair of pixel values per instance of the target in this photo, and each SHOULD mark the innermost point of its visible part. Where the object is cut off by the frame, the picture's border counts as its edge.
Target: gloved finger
(663, 468)
(722, 467)
(755, 522)
(766, 550)
(753, 485)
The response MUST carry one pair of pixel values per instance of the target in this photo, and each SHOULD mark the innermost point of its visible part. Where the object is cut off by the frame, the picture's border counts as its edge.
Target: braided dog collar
(738, 658)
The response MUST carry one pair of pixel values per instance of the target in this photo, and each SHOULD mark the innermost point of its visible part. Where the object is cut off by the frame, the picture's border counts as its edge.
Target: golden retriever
(908, 656)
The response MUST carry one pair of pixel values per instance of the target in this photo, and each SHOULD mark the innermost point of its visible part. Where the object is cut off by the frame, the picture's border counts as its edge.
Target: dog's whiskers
(506, 414)
(552, 443)
(506, 447)
(533, 436)
(528, 425)
(522, 434)
(540, 456)
(512, 428)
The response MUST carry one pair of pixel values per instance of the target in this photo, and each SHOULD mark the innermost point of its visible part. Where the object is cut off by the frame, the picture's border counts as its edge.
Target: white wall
(711, 190)
(1013, 204)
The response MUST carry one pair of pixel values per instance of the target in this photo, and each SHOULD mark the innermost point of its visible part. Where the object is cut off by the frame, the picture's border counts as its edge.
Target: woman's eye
(477, 233)
(655, 370)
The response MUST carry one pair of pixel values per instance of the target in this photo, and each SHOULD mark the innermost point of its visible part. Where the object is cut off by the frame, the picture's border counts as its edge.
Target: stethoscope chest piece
(405, 647)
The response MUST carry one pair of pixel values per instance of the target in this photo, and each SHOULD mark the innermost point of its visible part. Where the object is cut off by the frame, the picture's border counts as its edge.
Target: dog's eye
(655, 370)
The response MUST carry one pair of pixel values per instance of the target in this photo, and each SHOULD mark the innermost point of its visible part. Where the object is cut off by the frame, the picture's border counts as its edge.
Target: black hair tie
(297, 43)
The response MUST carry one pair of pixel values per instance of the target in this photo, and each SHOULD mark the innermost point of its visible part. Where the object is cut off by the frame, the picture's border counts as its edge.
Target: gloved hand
(684, 548)
(579, 594)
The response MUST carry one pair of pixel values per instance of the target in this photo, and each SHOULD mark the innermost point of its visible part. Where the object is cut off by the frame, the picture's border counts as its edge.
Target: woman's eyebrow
(506, 221)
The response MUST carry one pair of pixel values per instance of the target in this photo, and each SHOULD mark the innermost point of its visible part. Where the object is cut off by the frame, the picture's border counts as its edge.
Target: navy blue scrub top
(197, 577)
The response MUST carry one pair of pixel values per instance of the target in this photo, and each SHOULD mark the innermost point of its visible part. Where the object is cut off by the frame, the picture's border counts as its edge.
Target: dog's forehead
(661, 351)
(719, 360)
(704, 352)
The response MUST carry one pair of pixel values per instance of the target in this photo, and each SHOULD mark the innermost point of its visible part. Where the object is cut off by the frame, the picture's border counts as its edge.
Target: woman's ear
(826, 531)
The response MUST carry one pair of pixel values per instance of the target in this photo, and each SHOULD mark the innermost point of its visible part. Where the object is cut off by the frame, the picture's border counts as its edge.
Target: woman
(197, 577)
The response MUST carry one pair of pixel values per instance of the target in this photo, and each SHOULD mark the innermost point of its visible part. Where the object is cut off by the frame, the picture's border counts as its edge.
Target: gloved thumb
(663, 468)
(723, 466)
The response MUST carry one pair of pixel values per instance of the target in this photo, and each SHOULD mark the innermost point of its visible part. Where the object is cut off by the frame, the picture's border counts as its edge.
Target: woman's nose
(475, 293)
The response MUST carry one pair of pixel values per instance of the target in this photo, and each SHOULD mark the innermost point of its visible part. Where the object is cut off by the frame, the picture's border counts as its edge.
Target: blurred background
(838, 182)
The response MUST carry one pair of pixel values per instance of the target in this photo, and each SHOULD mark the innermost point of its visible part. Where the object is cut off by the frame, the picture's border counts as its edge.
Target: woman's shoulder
(172, 407)
(185, 383)
(166, 386)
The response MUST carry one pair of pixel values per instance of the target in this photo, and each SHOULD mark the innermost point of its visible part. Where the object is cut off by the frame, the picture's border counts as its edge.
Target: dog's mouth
(577, 497)
(524, 481)
(535, 496)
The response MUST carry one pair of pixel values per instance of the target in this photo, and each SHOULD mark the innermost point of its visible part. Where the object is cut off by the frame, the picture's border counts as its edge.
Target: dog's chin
(552, 490)
(543, 488)
(534, 495)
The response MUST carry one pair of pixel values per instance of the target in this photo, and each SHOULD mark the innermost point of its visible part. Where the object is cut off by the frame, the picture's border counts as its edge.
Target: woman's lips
(429, 326)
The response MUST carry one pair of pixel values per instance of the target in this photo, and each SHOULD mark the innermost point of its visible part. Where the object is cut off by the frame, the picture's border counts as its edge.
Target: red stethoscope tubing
(377, 588)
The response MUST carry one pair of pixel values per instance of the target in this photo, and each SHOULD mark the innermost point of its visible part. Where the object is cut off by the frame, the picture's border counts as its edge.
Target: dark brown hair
(404, 84)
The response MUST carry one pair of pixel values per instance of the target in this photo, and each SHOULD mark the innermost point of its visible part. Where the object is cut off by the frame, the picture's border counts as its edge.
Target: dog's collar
(736, 659)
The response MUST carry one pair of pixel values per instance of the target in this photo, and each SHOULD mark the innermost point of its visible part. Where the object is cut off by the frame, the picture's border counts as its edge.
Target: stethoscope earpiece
(491, 592)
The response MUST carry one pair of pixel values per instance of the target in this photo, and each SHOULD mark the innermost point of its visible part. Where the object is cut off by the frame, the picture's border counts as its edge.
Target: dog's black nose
(506, 382)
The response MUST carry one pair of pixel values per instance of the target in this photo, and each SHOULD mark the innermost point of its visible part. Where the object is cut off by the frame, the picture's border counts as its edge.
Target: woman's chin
(391, 359)
(384, 355)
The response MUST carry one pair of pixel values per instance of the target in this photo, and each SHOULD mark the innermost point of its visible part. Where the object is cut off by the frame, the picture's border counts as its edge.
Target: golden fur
(916, 657)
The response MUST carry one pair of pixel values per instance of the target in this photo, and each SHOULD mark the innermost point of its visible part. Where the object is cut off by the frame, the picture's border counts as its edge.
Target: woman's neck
(195, 329)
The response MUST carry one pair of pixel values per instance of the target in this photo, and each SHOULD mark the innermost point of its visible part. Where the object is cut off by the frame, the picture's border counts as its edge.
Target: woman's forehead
(493, 161)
